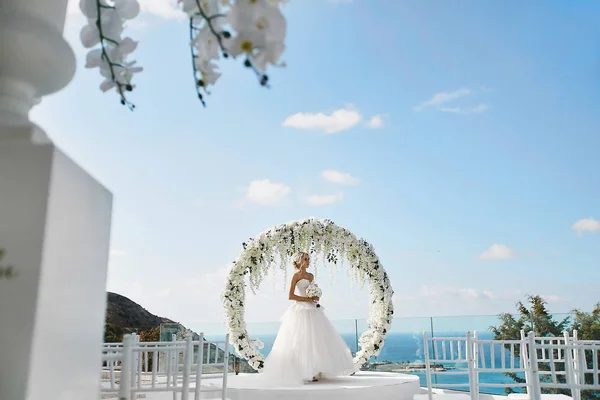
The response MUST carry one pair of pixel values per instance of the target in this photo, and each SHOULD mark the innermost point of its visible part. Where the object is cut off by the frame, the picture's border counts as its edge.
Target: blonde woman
(307, 345)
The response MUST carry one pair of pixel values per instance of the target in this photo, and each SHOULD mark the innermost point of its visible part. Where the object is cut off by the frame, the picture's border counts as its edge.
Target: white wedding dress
(306, 345)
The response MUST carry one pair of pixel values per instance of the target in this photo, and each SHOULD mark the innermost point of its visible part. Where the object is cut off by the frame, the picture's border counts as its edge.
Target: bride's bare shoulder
(310, 275)
(297, 275)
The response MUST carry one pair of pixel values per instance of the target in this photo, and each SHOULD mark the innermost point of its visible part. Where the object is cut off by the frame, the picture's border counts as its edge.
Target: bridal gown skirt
(307, 344)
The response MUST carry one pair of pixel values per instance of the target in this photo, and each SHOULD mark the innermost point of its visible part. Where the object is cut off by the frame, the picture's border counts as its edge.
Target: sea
(408, 347)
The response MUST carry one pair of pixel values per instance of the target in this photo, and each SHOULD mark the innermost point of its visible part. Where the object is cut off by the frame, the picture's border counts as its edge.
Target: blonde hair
(299, 258)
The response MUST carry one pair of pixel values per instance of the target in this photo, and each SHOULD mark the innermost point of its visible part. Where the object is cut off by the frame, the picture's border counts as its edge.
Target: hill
(126, 316)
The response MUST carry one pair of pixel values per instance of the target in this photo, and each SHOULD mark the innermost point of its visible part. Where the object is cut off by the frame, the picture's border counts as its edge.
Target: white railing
(510, 353)
(567, 360)
(456, 351)
(133, 367)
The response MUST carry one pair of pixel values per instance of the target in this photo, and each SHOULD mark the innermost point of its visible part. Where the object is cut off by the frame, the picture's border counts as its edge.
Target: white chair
(181, 369)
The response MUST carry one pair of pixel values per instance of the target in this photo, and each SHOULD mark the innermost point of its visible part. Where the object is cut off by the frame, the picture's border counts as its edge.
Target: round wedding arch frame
(318, 237)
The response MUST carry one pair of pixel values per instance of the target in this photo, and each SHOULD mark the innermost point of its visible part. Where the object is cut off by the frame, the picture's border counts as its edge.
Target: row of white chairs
(179, 367)
(544, 362)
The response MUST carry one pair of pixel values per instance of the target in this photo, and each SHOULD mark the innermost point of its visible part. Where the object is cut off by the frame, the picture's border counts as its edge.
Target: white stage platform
(362, 386)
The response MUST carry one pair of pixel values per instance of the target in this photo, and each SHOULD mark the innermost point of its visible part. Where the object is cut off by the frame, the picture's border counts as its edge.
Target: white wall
(55, 227)
(24, 182)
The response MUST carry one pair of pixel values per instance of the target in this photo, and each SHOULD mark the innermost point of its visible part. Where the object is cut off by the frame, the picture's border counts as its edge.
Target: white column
(54, 223)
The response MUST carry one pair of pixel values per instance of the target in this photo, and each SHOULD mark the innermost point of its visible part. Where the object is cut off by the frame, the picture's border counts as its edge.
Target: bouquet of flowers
(313, 290)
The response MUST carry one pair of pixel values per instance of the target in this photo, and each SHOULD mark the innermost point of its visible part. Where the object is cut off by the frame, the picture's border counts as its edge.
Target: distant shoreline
(403, 367)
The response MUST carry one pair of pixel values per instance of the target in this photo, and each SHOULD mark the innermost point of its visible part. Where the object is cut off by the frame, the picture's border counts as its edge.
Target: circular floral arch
(319, 238)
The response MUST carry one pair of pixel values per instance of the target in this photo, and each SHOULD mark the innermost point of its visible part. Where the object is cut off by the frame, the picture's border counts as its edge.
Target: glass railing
(403, 349)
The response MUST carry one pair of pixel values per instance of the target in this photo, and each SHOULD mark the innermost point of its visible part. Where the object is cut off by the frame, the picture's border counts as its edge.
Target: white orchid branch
(258, 30)
(204, 70)
(121, 87)
(106, 19)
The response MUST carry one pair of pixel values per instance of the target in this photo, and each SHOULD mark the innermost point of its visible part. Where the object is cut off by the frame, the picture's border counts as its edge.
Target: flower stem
(194, 69)
(121, 87)
(211, 27)
(262, 78)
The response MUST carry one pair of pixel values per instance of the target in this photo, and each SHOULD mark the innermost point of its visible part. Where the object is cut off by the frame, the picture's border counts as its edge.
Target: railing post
(472, 363)
(434, 347)
(187, 359)
(155, 361)
(175, 364)
(534, 377)
(524, 356)
(225, 365)
(570, 349)
(427, 366)
(137, 373)
(126, 367)
(355, 336)
(199, 367)
(576, 359)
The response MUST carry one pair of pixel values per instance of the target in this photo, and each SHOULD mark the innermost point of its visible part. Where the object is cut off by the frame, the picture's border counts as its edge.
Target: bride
(307, 345)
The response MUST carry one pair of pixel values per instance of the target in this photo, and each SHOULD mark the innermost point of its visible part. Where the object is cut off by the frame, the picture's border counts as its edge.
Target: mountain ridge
(124, 315)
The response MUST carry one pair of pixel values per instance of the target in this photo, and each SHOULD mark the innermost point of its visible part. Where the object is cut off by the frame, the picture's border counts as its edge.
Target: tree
(588, 328)
(150, 335)
(112, 333)
(537, 318)
(587, 324)
(183, 332)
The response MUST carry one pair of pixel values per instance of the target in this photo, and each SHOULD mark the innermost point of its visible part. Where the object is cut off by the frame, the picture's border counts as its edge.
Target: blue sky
(482, 157)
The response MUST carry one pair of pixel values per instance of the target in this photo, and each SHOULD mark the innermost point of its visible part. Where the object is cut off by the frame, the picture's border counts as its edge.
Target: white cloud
(586, 225)
(341, 178)
(449, 291)
(338, 121)
(439, 299)
(497, 252)
(323, 200)
(166, 9)
(201, 290)
(375, 122)
(118, 253)
(478, 109)
(552, 298)
(209, 280)
(265, 192)
(137, 24)
(443, 97)
(198, 203)
(140, 293)
(440, 100)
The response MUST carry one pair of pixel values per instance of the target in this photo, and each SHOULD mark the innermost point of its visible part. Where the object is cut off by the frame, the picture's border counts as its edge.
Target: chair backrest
(213, 357)
(177, 366)
(452, 355)
(546, 362)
